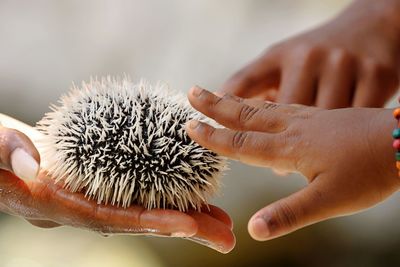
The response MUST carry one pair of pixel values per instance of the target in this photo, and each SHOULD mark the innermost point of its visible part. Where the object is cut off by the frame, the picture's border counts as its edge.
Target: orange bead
(398, 164)
(396, 113)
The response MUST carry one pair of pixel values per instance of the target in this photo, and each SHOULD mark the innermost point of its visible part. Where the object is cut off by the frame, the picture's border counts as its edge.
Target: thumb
(18, 154)
(298, 210)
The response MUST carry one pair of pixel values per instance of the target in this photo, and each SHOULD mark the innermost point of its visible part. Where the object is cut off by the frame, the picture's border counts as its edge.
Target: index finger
(255, 148)
(236, 114)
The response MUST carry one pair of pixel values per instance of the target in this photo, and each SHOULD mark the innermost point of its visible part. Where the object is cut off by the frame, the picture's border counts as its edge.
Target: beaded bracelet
(396, 136)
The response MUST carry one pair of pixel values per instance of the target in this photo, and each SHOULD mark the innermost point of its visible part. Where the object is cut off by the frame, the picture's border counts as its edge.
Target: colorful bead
(396, 113)
(396, 133)
(396, 144)
(396, 136)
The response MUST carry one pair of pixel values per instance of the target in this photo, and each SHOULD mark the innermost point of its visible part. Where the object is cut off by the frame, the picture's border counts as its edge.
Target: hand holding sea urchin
(124, 143)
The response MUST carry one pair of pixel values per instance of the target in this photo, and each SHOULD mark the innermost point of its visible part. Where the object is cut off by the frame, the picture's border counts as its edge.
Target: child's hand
(46, 204)
(346, 155)
(353, 60)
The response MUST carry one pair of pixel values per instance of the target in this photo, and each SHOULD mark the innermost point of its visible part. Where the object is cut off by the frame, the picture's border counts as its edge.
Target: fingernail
(180, 234)
(207, 243)
(260, 228)
(219, 94)
(193, 124)
(24, 165)
(196, 91)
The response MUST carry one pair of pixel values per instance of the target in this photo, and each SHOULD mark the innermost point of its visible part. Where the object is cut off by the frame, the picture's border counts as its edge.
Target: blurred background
(47, 45)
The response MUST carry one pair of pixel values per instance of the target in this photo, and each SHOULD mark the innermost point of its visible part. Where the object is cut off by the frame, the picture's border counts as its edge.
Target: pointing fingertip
(258, 229)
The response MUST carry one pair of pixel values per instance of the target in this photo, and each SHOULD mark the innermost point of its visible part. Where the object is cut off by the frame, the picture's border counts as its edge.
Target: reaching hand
(345, 154)
(352, 60)
(46, 204)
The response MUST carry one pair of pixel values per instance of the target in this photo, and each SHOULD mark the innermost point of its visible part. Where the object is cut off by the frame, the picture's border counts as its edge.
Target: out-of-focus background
(47, 45)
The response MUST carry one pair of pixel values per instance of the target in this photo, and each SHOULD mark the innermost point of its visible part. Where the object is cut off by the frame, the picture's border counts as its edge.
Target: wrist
(380, 142)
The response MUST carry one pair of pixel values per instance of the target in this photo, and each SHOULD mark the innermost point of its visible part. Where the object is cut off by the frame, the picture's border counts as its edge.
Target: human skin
(46, 204)
(352, 60)
(346, 155)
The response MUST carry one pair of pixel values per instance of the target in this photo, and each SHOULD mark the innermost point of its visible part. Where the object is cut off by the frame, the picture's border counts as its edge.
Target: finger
(256, 78)
(305, 207)
(18, 154)
(298, 85)
(375, 86)
(218, 214)
(74, 209)
(248, 147)
(336, 85)
(237, 115)
(212, 233)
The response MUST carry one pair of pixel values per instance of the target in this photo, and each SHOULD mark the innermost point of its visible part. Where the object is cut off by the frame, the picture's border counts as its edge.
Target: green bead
(398, 156)
(396, 133)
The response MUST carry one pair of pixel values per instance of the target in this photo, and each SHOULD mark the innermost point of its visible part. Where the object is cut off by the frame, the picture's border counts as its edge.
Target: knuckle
(238, 140)
(317, 196)
(216, 100)
(230, 97)
(384, 74)
(306, 53)
(210, 134)
(92, 220)
(376, 69)
(373, 68)
(292, 145)
(293, 133)
(270, 106)
(246, 113)
(286, 217)
(340, 57)
(234, 98)
(92, 225)
(272, 124)
(304, 114)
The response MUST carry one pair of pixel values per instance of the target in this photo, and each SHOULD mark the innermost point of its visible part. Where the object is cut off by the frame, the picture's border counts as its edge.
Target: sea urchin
(124, 143)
